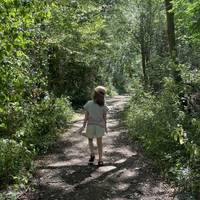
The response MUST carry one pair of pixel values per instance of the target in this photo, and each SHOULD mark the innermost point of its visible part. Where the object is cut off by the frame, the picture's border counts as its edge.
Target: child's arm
(84, 123)
(86, 119)
(105, 120)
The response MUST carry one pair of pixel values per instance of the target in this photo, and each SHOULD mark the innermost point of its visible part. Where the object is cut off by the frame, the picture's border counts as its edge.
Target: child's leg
(91, 146)
(100, 147)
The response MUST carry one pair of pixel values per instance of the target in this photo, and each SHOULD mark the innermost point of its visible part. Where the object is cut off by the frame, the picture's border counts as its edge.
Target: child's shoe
(91, 160)
(100, 163)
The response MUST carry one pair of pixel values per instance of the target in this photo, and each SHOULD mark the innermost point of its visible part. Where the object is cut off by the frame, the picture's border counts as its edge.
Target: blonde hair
(98, 95)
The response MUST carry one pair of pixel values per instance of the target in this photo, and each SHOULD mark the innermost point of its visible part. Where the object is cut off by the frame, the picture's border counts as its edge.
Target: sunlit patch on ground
(106, 168)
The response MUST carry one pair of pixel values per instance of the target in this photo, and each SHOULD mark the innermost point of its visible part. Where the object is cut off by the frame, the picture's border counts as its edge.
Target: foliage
(87, 48)
(15, 158)
(42, 122)
(8, 196)
(190, 18)
(29, 116)
(74, 49)
(36, 133)
(53, 53)
(168, 133)
(164, 114)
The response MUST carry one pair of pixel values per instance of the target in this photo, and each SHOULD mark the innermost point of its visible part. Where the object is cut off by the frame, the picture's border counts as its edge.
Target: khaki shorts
(94, 131)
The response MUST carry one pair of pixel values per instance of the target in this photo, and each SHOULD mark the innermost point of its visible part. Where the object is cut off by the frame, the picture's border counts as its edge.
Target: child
(95, 119)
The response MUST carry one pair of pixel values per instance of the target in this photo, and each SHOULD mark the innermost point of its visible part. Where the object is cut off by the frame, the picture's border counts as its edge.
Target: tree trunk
(172, 39)
(171, 29)
(143, 54)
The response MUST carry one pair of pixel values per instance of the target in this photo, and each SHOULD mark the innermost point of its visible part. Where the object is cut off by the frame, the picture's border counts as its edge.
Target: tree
(171, 28)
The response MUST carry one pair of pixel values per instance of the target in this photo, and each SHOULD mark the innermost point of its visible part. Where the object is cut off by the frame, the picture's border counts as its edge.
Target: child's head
(99, 94)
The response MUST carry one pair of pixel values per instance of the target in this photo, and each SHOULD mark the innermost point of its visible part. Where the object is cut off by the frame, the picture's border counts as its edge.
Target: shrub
(43, 121)
(14, 159)
(168, 133)
(36, 129)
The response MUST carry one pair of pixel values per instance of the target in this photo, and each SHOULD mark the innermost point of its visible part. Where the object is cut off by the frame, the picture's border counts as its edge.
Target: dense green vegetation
(52, 54)
(163, 114)
(30, 114)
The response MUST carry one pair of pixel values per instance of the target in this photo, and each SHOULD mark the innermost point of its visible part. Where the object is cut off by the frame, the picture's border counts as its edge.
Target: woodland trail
(65, 174)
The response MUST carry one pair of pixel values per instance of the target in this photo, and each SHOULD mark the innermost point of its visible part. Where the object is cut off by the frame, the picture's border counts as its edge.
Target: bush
(43, 120)
(36, 129)
(167, 132)
(8, 196)
(15, 158)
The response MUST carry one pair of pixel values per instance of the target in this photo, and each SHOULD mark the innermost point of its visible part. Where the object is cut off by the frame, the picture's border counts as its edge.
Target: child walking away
(95, 119)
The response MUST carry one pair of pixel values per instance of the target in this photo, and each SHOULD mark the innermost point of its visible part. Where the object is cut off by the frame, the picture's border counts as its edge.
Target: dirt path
(65, 174)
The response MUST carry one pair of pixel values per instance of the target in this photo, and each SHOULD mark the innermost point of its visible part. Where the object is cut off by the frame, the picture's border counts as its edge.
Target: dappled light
(60, 60)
